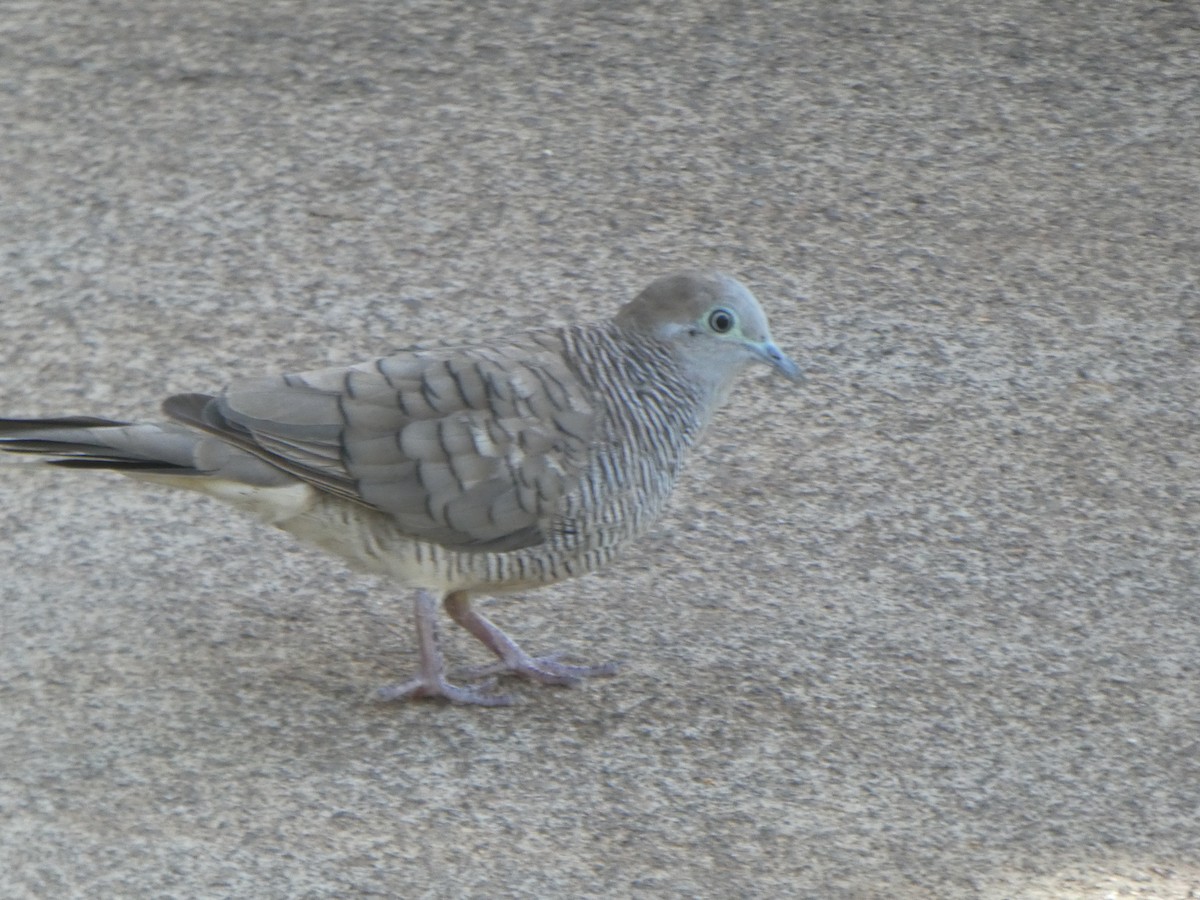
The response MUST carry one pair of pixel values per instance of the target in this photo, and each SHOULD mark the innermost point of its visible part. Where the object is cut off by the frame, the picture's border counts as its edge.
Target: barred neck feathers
(642, 383)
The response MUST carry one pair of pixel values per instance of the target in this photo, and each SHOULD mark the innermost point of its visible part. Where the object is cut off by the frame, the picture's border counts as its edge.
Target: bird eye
(720, 320)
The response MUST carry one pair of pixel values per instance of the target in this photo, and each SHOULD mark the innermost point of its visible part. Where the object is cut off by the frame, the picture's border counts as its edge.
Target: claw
(477, 694)
(543, 669)
(430, 680)
(514, 660)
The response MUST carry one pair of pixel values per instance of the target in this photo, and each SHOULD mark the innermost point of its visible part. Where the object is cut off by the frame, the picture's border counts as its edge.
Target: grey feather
(468, 449)
(490, 468)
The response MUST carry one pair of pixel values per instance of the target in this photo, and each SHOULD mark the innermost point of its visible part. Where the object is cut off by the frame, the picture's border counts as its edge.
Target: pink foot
(430, 680)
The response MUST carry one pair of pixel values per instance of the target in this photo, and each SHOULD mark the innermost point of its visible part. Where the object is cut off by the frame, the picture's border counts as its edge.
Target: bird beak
(776, 358)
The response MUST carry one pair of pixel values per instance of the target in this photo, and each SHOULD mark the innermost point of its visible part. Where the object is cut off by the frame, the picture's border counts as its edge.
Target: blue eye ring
(721, 321)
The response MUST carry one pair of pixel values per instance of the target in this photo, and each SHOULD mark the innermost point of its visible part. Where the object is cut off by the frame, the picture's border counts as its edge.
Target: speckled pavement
(927, 626)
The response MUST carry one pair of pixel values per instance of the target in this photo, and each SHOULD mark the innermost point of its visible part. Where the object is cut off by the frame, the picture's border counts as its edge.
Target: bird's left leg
(430, 680)
(543, 669)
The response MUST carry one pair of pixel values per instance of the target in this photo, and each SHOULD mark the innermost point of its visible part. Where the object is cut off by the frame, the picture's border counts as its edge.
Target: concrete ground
(928, 626)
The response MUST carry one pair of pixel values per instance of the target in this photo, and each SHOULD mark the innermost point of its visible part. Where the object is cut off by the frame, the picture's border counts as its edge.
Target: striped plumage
(464, 471)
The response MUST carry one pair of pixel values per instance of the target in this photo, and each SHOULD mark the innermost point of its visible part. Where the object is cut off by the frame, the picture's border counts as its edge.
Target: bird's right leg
(430, 680)
(542, 669)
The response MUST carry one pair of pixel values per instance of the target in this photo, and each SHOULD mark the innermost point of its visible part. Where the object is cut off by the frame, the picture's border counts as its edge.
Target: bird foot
(430, 680)
(478, 694)
(543, 669)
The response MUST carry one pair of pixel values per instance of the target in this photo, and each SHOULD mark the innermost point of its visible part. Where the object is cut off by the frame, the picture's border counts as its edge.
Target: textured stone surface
(936, 633)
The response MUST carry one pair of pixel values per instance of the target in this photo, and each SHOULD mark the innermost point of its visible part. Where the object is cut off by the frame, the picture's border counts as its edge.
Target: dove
(459, 472)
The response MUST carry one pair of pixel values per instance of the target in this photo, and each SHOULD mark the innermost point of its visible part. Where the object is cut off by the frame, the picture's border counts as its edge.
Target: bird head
(712, 322)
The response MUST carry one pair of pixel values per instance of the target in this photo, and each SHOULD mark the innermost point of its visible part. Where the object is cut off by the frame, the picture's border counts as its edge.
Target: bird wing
(470, 449)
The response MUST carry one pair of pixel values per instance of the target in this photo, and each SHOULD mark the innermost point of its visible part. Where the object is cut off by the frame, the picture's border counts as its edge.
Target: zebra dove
(459, 471)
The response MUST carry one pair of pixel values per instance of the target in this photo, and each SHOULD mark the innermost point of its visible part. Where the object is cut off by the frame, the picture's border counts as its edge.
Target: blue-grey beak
(776, 357)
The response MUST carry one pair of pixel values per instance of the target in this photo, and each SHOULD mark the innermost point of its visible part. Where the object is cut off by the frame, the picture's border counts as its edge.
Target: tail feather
(16, 426)
(145, 467)
(86, 442)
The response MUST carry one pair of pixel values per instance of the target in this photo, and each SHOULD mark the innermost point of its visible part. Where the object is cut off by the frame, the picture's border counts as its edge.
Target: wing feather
(470, 449)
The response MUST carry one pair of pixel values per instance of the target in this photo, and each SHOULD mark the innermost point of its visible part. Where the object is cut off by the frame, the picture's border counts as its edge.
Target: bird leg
(430, 680)
(543, 669)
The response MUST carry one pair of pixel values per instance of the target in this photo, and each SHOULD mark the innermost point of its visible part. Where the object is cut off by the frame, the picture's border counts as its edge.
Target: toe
(546, 670)
(472, 695)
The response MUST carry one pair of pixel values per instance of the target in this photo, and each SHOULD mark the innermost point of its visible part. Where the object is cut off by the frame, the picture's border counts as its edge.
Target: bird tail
(86, 442)
(166, 454)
